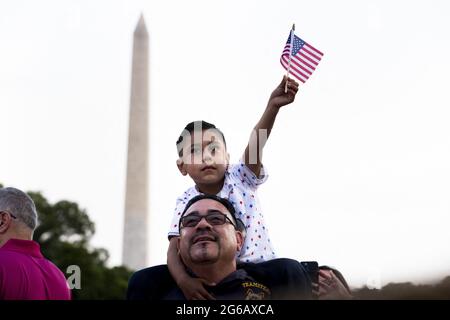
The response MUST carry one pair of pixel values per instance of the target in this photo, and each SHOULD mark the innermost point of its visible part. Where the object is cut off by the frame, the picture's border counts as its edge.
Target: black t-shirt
(276, 279)
(238, 285)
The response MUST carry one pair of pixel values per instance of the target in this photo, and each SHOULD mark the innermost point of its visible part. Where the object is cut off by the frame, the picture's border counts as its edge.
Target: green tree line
(407, 291)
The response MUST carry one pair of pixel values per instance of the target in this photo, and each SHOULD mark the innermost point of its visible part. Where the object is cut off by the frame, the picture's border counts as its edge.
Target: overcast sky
(359, 164)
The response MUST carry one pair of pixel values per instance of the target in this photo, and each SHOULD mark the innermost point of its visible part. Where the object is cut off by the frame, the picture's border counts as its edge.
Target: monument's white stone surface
(136, 200)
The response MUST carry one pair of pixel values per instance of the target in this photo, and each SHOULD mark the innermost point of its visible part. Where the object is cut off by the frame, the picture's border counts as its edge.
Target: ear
(5, 223)
(181, 168)
(239, 240)
(178, 250)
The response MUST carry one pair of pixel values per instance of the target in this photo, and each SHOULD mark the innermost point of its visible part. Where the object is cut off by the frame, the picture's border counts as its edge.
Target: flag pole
(290, 55)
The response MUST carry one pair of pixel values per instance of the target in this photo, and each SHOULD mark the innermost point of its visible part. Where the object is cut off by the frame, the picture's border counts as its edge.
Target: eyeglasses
(214, 219)
(12, 216)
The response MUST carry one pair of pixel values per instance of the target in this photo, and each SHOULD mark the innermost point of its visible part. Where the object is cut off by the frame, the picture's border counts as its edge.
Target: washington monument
(134, 248)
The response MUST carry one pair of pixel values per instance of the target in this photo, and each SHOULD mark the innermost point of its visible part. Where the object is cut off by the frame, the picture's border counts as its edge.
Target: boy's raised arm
(253, 153)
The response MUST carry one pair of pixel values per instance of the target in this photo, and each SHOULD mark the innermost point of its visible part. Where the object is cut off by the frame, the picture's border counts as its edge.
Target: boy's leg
(150, 283)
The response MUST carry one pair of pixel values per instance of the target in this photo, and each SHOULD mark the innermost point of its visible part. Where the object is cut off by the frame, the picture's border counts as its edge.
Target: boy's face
(205, 158)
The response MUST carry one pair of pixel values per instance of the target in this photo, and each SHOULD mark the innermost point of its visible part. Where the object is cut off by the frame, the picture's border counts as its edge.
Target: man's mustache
(204, 235)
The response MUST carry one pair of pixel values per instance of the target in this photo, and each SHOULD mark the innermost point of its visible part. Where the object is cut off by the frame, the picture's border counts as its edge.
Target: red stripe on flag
(311, 54)
(294, 74)
(306, 57)
(297, 57)
(293, 67)
(300, 66)
(312, 48)
(295, 63)
(309, 72)
(303, 77)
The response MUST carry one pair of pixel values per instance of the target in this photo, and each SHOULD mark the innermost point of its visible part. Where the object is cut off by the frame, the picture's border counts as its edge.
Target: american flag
(304, 60)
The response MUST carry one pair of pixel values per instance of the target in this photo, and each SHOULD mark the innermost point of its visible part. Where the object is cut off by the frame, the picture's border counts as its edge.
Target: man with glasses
(210, 238)
(24, 273)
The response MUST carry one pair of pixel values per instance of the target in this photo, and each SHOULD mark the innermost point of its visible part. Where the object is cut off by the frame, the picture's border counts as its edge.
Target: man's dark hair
(190, 127)
(225, 202)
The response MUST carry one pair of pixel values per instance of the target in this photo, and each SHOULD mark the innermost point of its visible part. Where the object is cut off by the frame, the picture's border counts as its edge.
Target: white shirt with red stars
(239, 188)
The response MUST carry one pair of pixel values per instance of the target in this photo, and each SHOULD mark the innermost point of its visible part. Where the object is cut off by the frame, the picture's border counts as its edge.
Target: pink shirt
(26, 275)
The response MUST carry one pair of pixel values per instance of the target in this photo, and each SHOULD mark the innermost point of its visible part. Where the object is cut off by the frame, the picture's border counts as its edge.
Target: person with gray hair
(24, 272)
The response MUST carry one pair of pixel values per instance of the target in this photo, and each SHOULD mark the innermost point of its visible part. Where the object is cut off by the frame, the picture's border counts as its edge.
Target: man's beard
(203, 255)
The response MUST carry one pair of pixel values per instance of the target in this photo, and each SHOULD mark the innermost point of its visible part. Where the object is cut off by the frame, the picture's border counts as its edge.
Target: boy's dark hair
(225, 202)
(190, 127)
